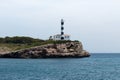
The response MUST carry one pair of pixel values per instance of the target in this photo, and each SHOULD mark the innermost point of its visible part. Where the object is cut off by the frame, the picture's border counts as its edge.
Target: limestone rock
(68, 49)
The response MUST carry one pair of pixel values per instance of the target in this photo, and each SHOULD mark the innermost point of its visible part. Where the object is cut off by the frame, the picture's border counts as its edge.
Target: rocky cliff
(61, 50)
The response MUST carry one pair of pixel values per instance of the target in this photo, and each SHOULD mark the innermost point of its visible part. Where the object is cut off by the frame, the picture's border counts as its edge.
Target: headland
(27, 47)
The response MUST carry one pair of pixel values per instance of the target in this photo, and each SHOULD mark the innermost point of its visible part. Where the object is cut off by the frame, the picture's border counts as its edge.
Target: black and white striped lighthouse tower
(62, 28)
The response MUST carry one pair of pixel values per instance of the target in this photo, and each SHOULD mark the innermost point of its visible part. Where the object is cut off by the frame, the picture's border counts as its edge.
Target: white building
(59, 36)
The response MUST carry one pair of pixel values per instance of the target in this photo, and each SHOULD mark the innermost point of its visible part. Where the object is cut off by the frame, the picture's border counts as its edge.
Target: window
(66, 36)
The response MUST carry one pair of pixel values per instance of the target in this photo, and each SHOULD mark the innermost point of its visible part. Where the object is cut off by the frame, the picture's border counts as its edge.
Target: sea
(99, 66)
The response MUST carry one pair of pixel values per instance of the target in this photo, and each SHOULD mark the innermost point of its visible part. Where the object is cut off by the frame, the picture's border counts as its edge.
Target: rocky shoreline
(62, 50)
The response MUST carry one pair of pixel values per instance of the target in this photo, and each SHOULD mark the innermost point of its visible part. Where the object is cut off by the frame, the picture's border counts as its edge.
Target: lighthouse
(62, 29)
(61, 36)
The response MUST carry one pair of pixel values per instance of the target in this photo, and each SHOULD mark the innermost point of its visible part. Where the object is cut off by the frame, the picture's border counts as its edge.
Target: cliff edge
(56, 50)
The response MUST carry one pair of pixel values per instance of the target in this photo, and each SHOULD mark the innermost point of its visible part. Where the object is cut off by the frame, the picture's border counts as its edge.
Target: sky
(96, 23)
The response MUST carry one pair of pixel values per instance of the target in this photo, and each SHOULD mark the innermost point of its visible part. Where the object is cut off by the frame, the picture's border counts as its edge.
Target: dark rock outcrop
(68, 49)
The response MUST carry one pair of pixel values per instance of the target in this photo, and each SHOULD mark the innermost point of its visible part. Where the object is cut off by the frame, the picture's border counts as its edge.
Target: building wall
(58, 37)
(66, 37)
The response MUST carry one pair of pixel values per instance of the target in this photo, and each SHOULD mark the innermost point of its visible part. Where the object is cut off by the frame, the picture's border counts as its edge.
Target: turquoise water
(96, 67)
